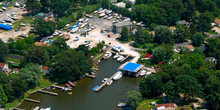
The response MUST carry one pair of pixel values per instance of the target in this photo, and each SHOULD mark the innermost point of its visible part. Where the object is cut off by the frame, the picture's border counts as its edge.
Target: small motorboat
(118, 75)
(69, 93)
(120, 104)
(49, 108)
(94, 88)
(116, 55)
(48, 87)
(36, 108)
(143, 72)
(67, 84)
(72, 84)
(54, 88)
(105, 79)
(109, 82)
(107, 55)
(120, 58)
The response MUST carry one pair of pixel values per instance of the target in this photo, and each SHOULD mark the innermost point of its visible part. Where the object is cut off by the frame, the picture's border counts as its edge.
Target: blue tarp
(88, 25)
(131, 66)
(77, 24)
(5, 27)
(72, 27)
(4, 5)
(100, 9)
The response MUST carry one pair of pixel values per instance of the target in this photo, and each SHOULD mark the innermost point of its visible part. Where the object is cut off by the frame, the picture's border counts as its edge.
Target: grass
(212, 32)
(11, 105)
(12, 59)
(145, 105)
(26, 20)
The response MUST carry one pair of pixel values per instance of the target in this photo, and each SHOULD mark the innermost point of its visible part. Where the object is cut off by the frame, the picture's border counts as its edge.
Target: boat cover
(5, 27)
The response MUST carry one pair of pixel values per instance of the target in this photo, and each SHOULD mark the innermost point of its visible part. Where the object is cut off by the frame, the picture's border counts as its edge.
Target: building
(114, 1)
(46, 69)
(217, 22)
(190, 47)
(130, 1)
(167, 106)
(120, 4)
(46, 16)
(132, 69)
(211, 59)
(117, 28)
(4, 68)
(15, 70)
(182, 22)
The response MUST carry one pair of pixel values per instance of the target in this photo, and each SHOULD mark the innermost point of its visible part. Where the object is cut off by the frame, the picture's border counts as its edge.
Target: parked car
(109, 36)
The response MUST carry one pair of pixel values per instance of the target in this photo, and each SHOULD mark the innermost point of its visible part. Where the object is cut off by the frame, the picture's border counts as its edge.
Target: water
(83, 97)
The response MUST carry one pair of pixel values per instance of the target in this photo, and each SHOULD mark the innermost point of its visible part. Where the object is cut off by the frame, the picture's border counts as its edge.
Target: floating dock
(104, 84)
(32, 100)
(61, 87)
(91, 75)
(47, 92)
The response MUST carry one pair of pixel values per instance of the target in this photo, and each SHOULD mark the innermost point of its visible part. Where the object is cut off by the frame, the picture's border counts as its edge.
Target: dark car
(109, 36)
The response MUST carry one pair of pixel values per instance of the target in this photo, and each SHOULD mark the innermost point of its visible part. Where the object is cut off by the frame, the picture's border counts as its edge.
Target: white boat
(55, 33)
(105, 17)
(109, 82)
(102, 15)
(14, 18)
(81, 19)
(36, 108)
(22, 24)
(120, 58)
(143, 72)
(105, 79)
(46, 108)
(117, 48)
(118, 75)
(120, 104)
(4, 8)
(116, 55)
(110, 17)
(74, 30)
(107, 55)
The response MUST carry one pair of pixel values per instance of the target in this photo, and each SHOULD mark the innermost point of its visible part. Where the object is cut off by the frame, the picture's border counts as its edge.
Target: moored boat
(116, 55)
(67, 84)
(109, 82)
(107, 55)
(94, 88)
(120, 58)
(105, 79)
(69, 93)
(118, 75)
(36, 108)
(120, 104)
(72, 84)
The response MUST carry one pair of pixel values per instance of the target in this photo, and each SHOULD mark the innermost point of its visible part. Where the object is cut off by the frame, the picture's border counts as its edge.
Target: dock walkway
(61, 87)
(47, 92)
(32, 100)
(104, 84)
(125, 58)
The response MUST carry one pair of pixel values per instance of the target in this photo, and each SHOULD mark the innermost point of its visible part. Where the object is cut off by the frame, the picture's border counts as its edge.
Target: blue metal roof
(131, 66)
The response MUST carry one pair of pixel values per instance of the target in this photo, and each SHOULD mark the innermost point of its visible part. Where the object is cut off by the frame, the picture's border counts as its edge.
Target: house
(130, 1)
(46, 69)
(45, 16)
(217, 22)
(15, 70)
(182, 22)
(211, 59)
(132, 69)
(120, 4)
(4, 68)
(113, 1)
(190, 47)
(167, 106)
(117, 28)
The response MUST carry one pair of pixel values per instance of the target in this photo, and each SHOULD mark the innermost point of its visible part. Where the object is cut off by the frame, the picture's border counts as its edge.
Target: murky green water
(83, 97)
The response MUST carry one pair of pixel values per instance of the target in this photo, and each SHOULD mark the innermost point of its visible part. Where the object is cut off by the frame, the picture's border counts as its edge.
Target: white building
(120, 4)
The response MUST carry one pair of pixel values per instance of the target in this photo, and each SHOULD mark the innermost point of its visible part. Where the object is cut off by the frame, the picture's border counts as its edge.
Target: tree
(133, 98)
(141, 37)
(84, 49)
(195, 60)
(163, 35)
(33, 6)
(128, 5)
(188, 85)
(181, 34)
(33, 67)
(61, 24)
(30, 77)
(212, 47)
(4, 50)
(170, 91)
(61, 44)
(60, 7)
(36, 55)
(79, 14)
(3, 97)
(69, 65)
(204, 21)
(19, 87)
(124, 34)
(197, 39)
(208, 5)
(162, 53)
(151, 86)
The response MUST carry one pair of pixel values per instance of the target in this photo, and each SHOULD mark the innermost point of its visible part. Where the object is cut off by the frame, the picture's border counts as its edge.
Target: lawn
(145, 105)
(212, 32)
(26, 20)
(10, 105)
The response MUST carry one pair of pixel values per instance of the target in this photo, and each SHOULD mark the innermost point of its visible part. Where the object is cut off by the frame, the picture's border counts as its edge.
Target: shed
(120, 4)
(132, 69)
(211, 59)
(117, 28)
(182, 22)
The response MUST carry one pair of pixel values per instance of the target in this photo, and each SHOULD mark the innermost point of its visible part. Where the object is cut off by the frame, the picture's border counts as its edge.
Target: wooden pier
(125, 58)
(104, 84)
(32, 100)
(91, 75)
(61, 87)
(47, 92)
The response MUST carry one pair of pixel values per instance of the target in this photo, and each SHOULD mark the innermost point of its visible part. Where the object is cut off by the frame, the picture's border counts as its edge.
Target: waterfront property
(167, 106)
(132, 69)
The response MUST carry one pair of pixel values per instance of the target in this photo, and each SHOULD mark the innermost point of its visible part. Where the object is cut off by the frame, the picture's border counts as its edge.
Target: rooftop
(46, 68)
(120, 4)
(217, 20)
(2, 65)
(127, 23)
(189, 46)
(132, 67)
(182, 22)
(167, 105)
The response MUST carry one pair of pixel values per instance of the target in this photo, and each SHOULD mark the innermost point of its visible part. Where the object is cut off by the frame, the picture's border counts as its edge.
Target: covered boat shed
(132, 69)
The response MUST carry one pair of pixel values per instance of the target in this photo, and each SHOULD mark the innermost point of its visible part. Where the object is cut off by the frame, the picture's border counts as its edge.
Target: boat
(72, 84)
(116, 48)
(109, 82)
(49, 108)
(66, 37)
(120, 104)
(36, 108)
(118, 75)
(116, 55)
(102, 15)
(120, 58)
(67, 84)
(69, 93)
(143, 72)
(105, 79)
(94, 88)
(105, 17)
(107, 55)
(54, 88)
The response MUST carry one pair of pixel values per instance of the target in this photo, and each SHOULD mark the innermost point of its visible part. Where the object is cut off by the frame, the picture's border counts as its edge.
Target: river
(83, 97)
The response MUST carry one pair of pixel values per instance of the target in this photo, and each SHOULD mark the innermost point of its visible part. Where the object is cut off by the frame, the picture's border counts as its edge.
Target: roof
(132, 67)
(120, 4)
(163, 106)
(182, 22)
(46, 68)
(15, 69)
(40, 44)
(189, 46)
(210, 59)
(2, 65)
(217, 20)
(127, 23)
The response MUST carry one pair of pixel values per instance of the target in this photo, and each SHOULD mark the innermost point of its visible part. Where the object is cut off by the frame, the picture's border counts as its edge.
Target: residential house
(117, 28)
(120, 4)
(190, 47)
(211, 59)
(15, 70)
(217, 22)
(167, 106)
(182, 22)
(46, 69)
(130, 1)
(4, 68)
(45, 16)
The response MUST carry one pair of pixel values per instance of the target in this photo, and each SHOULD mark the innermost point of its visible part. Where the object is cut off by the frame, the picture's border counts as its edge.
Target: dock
(104, 84)
(47, 92)
(32, 100)
(61, 87)
(125, 58)
(91, 75)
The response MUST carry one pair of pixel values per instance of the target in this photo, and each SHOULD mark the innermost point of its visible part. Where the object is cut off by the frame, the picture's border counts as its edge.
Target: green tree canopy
(141, 37)
(182, 33)
(204, 21)
(124, 34)
(170, 91)
(33, 6)
(60, 7)
(4, 50)
(197, 39)
(3, 97)
(162, 53)
(30, 77)
(36, 55)
(133, 98)
(163, 35)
